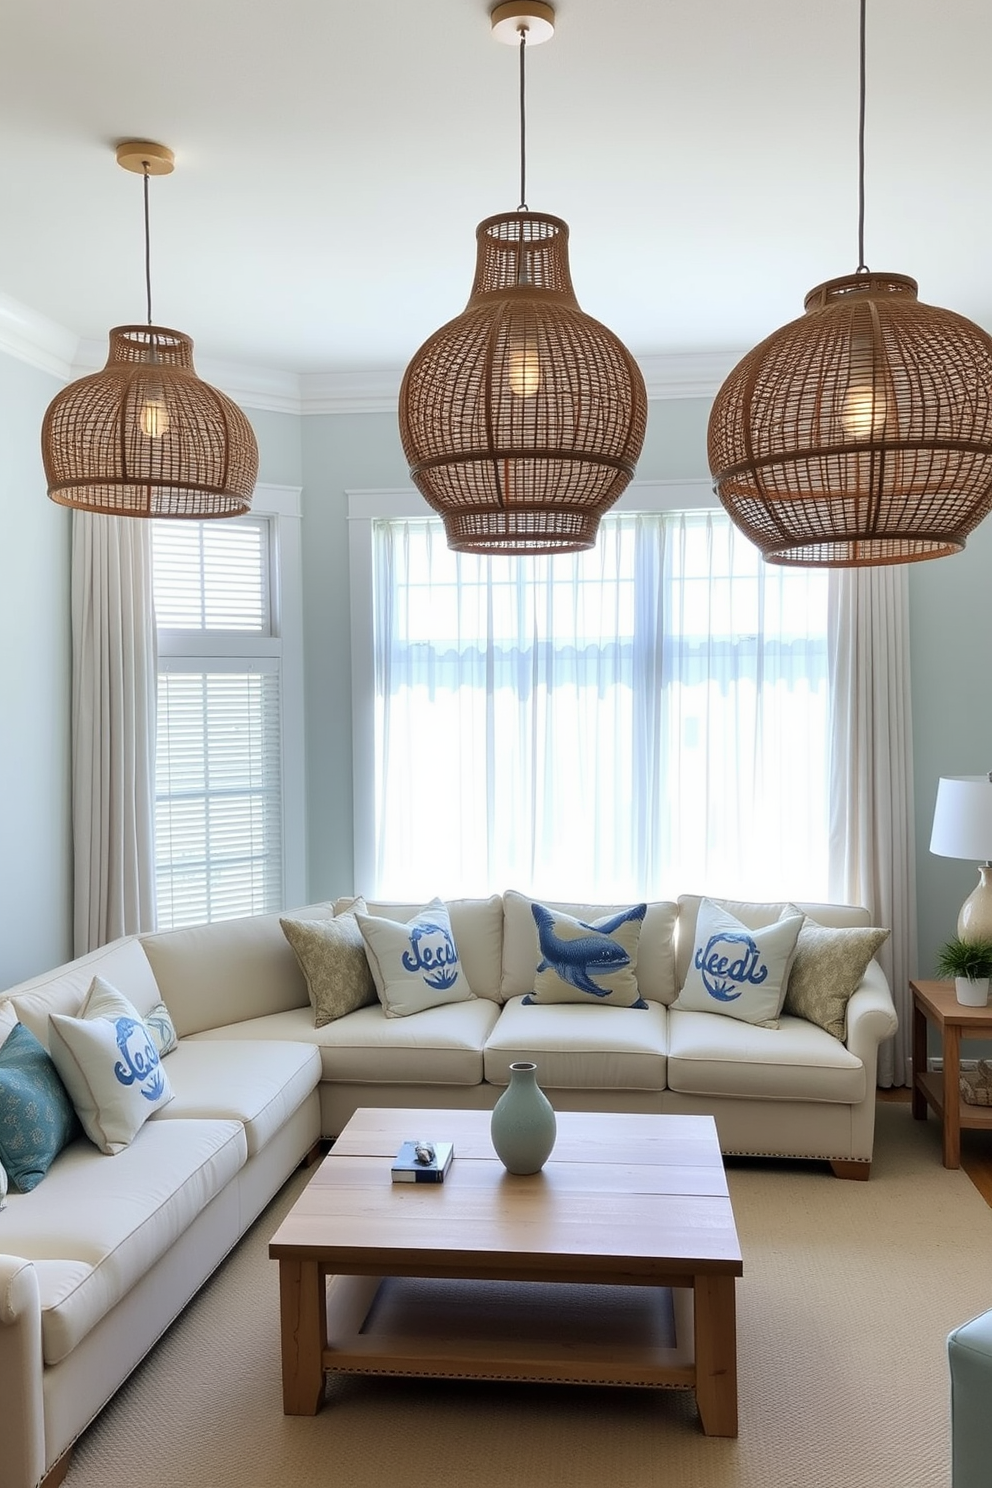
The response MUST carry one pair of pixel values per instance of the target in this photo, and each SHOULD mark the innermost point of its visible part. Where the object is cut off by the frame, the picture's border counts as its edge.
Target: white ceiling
(333, 160)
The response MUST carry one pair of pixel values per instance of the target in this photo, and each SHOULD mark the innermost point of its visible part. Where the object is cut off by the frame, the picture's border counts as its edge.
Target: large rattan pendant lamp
(145, 437)
(860, 434)
(523, 418)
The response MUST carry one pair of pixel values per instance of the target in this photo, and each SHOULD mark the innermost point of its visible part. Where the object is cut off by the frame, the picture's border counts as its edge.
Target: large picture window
(647, 718)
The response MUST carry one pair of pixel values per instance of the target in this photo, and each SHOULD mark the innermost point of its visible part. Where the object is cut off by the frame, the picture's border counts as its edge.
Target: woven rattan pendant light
(860, 434)
(146, 437)
(523, 418)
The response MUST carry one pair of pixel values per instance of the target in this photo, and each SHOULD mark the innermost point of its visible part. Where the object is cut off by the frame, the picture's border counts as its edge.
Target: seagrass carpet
(849, 1291)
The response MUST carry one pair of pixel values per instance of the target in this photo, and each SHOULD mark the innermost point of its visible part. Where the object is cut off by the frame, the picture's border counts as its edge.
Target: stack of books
(422, 1162)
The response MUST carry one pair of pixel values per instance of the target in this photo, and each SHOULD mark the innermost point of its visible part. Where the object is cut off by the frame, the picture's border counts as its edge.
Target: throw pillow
(158, 1021)
(827, 970)
(36, 1115)
(110, 1066)
(331, 955)
(738, 971)
(415, 965)
(593, 962)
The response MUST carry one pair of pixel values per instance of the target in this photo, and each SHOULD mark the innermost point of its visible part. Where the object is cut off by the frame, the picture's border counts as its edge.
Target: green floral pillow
(827, 970)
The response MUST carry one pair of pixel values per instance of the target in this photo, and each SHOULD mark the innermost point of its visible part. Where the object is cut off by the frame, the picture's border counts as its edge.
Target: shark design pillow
(737, 971)
(594, 962)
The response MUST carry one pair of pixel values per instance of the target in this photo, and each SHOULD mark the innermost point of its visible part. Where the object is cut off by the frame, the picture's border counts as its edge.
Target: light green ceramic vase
(523, 1125)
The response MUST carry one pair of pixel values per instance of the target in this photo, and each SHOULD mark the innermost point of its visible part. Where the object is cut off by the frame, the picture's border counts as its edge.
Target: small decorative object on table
(976, 1084)
(422, 1162)
(523, 1127)
(969, 962)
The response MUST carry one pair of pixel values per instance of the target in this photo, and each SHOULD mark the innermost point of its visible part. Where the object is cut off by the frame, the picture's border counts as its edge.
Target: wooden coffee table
(615, 1264)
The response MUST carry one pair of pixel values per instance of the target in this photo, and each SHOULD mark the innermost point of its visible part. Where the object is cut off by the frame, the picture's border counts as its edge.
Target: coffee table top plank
(613, 1177)
(583, 1136)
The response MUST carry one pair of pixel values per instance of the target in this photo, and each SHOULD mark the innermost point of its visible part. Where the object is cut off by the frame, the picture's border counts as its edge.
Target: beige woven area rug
(849, 1291)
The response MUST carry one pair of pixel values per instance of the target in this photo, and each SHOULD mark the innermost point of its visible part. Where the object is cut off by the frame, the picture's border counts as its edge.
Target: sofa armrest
(871, 1016)
(22, 1410)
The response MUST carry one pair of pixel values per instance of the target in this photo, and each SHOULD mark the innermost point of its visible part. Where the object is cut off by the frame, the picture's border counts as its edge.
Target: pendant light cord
(862, 266)
(523, 125)
(148, 249)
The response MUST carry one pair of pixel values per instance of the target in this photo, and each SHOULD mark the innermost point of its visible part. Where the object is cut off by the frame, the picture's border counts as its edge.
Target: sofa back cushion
(655, 970)
(755, 915)
(477, 929)
(122, 963)
(230, 970)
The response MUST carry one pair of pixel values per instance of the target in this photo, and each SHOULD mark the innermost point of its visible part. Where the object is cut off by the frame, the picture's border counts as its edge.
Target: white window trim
(285, 647)
(363, 508)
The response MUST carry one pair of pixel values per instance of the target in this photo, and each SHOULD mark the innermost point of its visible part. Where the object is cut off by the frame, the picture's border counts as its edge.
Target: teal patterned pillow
(36, 1115)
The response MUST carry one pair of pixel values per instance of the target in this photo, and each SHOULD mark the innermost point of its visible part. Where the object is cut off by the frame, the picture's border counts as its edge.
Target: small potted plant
(969, 962)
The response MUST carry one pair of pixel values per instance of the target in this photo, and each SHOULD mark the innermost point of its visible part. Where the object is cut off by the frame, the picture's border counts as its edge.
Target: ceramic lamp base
(975, 919)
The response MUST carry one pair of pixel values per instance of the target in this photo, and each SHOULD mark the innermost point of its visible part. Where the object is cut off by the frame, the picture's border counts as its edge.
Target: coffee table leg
(303, 1315)
(715, 1326)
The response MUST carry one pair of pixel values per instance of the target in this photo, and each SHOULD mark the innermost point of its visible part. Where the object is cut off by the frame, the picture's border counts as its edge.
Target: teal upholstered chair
(969, 1353)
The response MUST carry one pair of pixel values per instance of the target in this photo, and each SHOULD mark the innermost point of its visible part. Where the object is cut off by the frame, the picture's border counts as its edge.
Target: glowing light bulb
(154, 417)
(524, 370)
(864, 411)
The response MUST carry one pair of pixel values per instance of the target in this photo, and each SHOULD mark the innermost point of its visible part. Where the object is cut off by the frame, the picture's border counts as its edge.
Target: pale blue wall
(951, 648)
(35, 910)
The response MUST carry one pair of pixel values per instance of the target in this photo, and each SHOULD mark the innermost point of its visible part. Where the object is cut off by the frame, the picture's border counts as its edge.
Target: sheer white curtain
(113, 729)
(872, 845)
(644, 719)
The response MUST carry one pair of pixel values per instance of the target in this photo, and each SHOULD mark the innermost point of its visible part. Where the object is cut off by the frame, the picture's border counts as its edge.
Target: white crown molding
(30, 337)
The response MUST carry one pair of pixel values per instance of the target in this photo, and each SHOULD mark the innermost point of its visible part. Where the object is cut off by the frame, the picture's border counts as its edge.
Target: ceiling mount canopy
(522, 418)
(146, 437)
(860, 434)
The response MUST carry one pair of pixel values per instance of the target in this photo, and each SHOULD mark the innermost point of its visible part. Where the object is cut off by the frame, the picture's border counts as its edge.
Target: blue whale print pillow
(743, 973)
(593, 962)
(415, 966)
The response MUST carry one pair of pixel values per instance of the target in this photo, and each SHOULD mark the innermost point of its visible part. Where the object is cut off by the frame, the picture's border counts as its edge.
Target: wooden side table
(935, 1002)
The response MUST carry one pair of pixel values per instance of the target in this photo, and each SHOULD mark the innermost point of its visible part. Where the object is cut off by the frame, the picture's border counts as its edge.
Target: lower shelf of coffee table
(542, 1331)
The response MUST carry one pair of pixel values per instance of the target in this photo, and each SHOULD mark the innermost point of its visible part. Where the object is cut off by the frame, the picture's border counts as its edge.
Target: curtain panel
(114, 670)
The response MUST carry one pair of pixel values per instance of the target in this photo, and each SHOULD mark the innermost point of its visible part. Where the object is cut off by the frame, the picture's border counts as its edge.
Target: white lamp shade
(962, 818)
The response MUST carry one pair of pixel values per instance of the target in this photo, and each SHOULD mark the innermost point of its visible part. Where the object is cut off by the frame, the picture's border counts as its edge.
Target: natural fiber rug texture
(848, 1294)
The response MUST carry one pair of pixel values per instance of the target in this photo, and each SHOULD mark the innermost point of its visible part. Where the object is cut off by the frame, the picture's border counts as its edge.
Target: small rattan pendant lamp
(146, 437)
(860, 434)
(523, 418)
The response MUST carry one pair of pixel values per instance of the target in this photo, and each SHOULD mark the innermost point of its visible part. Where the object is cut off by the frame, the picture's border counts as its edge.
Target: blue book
(422, 1162)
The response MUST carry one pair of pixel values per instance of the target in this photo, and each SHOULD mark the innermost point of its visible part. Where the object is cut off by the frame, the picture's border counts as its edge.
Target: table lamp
(962, 828)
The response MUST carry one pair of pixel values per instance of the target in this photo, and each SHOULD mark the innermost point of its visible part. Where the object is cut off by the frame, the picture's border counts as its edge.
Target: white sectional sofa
(101, 1256)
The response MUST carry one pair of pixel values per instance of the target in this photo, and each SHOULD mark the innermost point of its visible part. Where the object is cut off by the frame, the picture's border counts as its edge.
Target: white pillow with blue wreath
(415, 965)
(592, 961)
(110, 1065)
(737, 971)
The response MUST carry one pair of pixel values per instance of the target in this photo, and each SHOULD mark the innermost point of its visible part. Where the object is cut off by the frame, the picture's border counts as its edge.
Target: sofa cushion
(414, 963)
(587, 961)
(738, 972)
(332, 957)
(580, 1047)
(724, 1056)
(36, 1114)
(219, 973)
(95, 1227)
(754, 915)
(442, 1046)
(655, 950)
(258, 1084)
(828, 969)
(122, 963)
(477, 926)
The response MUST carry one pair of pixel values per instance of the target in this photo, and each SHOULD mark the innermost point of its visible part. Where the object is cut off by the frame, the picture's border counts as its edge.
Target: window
(647, 718)
(219, 810)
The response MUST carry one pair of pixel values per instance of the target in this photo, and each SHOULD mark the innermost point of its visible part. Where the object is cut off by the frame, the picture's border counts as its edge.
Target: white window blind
(218, 799)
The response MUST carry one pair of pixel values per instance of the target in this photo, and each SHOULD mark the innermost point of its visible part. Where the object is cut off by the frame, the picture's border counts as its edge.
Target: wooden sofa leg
(844, 1169)
(58, 1472)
